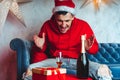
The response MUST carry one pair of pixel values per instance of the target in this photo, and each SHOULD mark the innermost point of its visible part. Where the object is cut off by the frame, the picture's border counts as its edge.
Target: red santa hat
(64, 5)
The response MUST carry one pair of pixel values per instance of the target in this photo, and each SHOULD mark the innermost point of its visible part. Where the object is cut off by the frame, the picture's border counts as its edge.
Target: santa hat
(64, 5)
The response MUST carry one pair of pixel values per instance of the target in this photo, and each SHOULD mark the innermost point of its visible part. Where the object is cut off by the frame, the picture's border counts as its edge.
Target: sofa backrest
(109, 53)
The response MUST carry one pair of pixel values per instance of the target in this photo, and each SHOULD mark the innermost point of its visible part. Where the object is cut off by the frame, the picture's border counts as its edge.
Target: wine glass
(59, 60)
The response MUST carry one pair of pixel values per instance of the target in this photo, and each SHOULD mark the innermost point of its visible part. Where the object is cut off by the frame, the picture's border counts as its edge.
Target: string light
(97, 3)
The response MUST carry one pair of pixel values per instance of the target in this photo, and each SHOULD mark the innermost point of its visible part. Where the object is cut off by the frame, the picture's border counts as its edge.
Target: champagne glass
(59, 60)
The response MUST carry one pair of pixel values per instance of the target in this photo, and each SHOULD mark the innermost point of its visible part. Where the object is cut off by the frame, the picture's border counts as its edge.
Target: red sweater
(68, 43)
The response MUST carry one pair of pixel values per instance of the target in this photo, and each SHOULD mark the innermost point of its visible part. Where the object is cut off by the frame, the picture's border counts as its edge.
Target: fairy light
(96, 3)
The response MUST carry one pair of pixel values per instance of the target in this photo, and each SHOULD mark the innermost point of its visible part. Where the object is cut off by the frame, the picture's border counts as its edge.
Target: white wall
(105, 23)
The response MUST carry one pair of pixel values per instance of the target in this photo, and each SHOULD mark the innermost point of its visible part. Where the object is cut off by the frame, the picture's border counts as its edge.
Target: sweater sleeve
(37, 53)
(89, 32)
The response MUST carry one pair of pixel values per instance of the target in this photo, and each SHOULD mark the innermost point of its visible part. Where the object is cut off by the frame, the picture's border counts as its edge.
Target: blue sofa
(109, 53)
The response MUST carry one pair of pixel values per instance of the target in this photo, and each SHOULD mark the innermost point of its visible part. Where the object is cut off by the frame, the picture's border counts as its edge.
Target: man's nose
(63, 24)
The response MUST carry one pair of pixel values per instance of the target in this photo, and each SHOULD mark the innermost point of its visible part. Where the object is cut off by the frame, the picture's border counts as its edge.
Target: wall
(105, 23)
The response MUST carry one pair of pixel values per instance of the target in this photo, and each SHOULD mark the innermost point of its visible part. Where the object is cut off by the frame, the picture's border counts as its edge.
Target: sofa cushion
(108, 54)
(115, 68)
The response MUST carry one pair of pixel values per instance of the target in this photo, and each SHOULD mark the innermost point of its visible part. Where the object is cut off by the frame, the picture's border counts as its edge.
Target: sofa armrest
(22, 48)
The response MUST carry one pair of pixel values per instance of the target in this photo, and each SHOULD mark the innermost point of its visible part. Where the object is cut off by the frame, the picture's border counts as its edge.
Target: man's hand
(27, 74)
(39, 41)
(89, 42)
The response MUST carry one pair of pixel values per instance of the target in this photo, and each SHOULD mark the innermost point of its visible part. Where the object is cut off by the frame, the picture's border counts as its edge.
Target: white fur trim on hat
(64, 8)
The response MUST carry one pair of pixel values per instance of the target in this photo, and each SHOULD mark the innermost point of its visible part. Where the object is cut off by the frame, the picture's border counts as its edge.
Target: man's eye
(59, 21)
(67, 20)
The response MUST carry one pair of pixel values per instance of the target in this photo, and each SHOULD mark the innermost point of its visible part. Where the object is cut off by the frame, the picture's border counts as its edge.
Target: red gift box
(73, 77)
(49, 73)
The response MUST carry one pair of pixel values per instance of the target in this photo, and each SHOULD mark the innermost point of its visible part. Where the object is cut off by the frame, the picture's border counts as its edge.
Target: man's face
(64, 22)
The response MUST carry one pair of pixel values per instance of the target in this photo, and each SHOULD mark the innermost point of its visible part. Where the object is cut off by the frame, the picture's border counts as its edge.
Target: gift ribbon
(60, 77)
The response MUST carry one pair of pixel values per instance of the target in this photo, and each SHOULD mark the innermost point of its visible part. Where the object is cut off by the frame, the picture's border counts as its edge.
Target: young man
(62, 34)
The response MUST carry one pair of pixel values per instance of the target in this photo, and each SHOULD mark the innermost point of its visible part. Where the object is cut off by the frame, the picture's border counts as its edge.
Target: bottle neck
(83, 46)
(83, 43)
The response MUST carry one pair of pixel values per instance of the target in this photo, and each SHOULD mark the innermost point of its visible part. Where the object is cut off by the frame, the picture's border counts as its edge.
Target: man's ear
(73, 17)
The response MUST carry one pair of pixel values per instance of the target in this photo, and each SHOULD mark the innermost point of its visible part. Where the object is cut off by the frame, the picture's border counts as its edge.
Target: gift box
(48, 73)
(74, 77)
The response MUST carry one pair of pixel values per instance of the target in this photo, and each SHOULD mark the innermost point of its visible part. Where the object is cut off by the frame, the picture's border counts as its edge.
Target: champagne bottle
(82, 61)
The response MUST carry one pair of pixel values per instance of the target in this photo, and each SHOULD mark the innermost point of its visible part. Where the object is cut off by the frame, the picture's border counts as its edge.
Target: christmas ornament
(11, 6)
